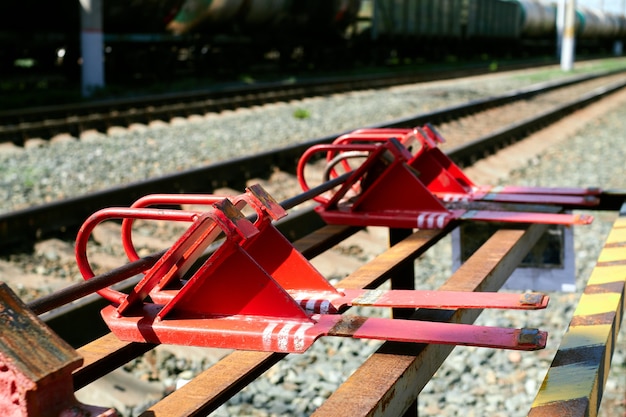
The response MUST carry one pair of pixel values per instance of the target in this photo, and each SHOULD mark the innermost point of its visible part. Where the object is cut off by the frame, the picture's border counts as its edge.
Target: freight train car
(270, 17)
(148, 35)
(248, 32)
(37, 36)
(442, 27)
(430, 28)
(144, 37)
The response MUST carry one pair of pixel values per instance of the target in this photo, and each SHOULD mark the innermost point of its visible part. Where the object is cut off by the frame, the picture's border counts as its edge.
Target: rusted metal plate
(104, 355)
(214, 386)
(388, 383)
(575, 381)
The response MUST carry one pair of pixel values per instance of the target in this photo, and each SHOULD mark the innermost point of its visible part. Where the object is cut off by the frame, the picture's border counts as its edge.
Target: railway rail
(379, 386)
(17, 126)
(543, 104)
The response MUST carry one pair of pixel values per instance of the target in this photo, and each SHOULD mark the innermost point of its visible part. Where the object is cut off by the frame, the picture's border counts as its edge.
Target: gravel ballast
(472, 382)
(67, 167)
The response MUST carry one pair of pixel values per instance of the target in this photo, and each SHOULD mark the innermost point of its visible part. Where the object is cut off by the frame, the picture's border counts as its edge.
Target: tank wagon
(149, 34)
(203, 35)
(440, 27)
(322, 17)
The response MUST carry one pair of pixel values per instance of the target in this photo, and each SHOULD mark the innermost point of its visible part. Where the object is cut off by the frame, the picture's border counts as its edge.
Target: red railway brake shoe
(403, 180)
(256, 292)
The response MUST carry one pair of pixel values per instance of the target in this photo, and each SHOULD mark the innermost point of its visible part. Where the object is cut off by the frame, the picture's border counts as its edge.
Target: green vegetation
(609, 64)
(34, 90)
(301, 114)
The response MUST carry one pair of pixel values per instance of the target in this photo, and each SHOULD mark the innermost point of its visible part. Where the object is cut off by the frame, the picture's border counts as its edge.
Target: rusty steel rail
(44, 122)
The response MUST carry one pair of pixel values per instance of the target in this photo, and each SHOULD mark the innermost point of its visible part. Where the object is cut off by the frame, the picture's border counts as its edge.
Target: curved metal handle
(156, 199)
(178, 199)
(331, 151)
(98, 217)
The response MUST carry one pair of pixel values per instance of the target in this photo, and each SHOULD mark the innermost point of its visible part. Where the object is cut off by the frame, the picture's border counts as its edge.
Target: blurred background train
(166, 37)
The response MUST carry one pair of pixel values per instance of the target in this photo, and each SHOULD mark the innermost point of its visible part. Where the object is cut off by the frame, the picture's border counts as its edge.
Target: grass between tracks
(37, 90)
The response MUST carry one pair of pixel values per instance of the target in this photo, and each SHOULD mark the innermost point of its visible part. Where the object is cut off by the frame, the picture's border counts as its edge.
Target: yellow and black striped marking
(575, 381)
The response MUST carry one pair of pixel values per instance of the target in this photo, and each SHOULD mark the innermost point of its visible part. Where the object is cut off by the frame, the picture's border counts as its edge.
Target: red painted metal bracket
(256, 292)
(403, 180)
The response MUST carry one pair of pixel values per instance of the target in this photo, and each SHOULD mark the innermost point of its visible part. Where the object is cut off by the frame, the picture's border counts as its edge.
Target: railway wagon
(282, 17)
(538, 18)
(458, 27)
(440, 27)
(143, 36)
(467, 19)
(597, 24)
(40, 36)
(242, 33)
(447, 19)
(161, 33)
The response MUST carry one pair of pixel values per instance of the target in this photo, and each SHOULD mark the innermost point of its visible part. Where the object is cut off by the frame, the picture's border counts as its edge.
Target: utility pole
(569, 36)
(618, 47)
(91, 46)
(560, 25)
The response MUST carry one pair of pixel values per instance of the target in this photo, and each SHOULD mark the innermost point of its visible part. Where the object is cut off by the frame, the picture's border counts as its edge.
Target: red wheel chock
(257, 292)
(402, 179)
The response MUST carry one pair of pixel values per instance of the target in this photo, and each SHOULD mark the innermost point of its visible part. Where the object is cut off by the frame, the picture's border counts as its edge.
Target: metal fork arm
(413, 331)
(325, 303)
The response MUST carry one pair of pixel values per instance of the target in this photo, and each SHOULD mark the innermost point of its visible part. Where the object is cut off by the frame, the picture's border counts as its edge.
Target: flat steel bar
(575, 381)
(388, 383)
(32, 357)
(418, 331)
(441, 299)
(104, 355)
(218, 383)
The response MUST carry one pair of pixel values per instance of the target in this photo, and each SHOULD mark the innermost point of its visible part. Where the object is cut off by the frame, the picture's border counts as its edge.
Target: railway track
(18, 126)
(475, 128)
(216, 384)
